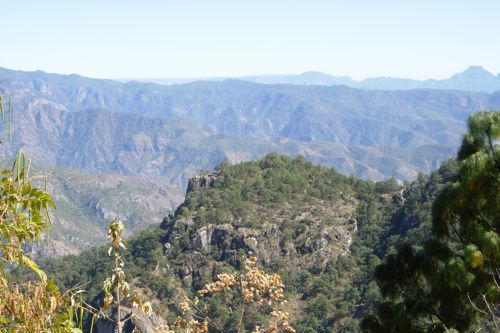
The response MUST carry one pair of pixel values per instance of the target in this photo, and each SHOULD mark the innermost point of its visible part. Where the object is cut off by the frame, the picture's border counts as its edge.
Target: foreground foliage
(452, 281)
(251, 291)
(35, 306)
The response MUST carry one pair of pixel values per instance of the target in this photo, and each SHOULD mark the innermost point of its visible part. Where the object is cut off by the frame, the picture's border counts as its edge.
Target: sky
(217, 38)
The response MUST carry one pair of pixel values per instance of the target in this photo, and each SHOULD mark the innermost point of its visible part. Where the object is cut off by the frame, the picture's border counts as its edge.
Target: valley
(104, 142)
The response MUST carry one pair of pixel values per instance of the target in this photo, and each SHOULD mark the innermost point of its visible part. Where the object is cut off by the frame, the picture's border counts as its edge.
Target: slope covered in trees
(324, 233)
(432, 245)
(449, 283)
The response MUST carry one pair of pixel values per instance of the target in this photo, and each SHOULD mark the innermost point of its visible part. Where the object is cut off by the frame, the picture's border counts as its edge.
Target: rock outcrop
(323, 231)
(206, 180)
(139, 322)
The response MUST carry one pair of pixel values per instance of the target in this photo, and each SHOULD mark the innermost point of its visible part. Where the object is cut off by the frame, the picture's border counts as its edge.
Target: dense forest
(351, 254)
(335, 291)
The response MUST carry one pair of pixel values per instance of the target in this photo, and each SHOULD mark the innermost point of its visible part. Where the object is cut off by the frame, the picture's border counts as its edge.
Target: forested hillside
(448, 280)
(324, 233)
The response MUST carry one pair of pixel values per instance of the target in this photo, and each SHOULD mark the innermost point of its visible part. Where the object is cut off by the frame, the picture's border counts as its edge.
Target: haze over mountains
(161, 135)
(172, 132)
(86, 203)
(474, 78)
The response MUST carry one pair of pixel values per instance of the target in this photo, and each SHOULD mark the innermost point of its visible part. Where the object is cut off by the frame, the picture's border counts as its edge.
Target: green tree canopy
(452, 282)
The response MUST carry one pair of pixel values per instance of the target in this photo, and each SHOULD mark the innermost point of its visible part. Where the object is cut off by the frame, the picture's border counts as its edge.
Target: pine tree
(452, 282)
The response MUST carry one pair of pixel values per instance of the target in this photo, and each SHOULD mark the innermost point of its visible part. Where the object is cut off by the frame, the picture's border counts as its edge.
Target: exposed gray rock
(203, 238)
(201, 181)
(138, 323)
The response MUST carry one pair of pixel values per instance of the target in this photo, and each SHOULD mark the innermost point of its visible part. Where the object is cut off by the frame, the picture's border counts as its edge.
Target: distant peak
(323, 76)
(474, 73)
(308, 73)
(476, 70)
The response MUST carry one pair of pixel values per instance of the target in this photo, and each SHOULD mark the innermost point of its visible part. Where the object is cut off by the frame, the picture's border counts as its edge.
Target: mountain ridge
(173, 132)
(474, 78)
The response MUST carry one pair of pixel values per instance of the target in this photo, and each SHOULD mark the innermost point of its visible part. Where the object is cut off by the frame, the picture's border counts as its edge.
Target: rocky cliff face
(305, 234)
(324, 232)
(198, 182)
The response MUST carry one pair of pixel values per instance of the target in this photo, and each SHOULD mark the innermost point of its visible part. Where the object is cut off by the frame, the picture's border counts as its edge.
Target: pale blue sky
(188, 38)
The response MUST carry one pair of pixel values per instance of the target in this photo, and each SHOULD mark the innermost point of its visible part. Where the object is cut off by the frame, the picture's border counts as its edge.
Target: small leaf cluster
(251, 287)
(24, 214)
(34, 306)
(115, 287)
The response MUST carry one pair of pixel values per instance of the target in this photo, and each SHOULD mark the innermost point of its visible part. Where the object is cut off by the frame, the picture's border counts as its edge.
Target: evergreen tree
(452, 282)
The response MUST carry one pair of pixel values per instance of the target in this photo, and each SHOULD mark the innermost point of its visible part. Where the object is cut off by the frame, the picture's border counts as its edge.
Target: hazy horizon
(195, 39)
(300, 73)
(244, 77)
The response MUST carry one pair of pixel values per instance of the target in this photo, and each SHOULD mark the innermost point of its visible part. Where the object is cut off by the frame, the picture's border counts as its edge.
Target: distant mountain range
(474, 78)
(169, 133)
(148, 139)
